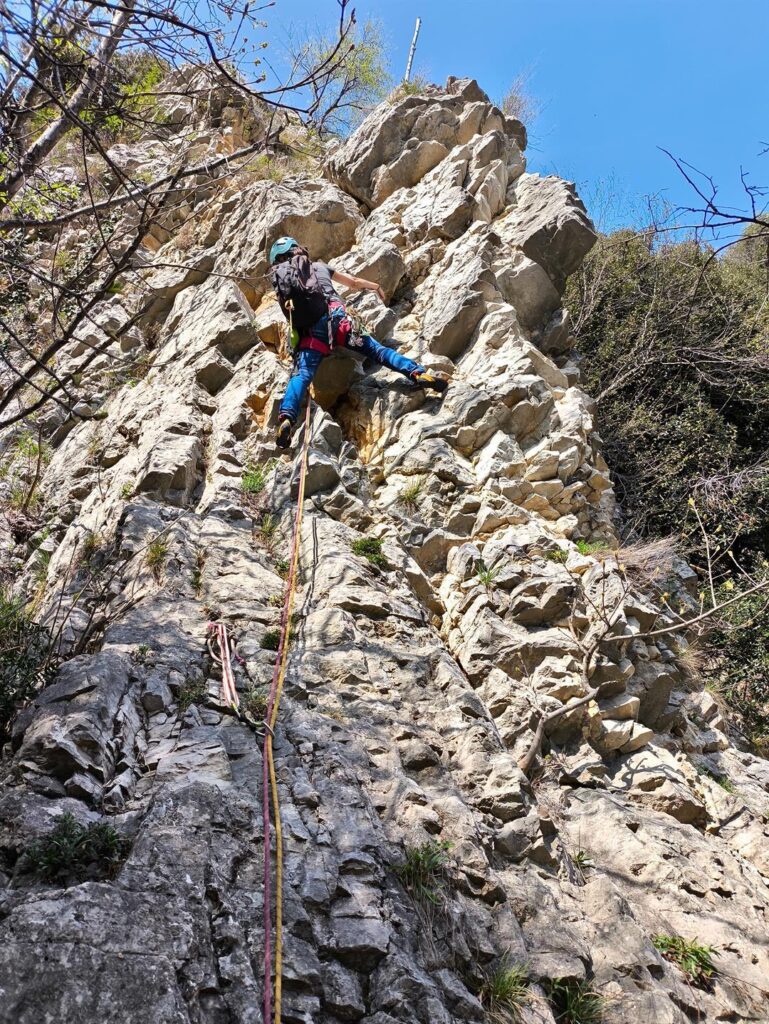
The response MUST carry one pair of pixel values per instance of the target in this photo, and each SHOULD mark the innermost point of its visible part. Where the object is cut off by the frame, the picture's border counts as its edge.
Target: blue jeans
(308, 361)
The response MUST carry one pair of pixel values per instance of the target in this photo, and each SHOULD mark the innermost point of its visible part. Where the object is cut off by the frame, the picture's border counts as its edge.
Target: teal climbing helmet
(281, 247)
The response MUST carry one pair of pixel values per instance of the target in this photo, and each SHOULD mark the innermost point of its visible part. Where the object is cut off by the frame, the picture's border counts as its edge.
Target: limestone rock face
(398, 144)
(416, 677)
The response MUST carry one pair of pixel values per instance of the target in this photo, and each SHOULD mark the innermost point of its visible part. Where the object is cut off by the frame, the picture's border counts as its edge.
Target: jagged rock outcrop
(414, 686)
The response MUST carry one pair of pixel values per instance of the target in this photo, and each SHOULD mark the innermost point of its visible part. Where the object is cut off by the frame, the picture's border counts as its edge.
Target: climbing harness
(269, 780)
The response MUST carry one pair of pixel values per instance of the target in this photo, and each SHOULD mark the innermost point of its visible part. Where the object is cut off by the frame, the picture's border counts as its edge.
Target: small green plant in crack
(721, 780)
(268, 529)
(255, 477)
(275, 600)
(423, 872)
(694, 960)
(270, 640)
(486, 576)
(282, 565)
(370, 548)
(409, 496)
(557, 555)
(92, 546)
(505, 992)
(156, 556)
(582, 860)
(574, 1002)
(597, 547)
(141, 654)
(126, 491)
(72, 852)
(255, 702)
(192, 693)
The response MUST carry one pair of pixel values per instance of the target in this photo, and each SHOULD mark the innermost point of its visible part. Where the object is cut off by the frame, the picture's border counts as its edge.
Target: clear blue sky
(615, 79)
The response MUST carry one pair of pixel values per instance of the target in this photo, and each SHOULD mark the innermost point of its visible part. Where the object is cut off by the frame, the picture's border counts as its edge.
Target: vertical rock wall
(414, 686)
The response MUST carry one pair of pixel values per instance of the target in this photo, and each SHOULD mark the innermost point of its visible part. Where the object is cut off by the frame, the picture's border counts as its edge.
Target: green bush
(72, 852)
(697, 430)
(640, 304)
(742, 675)
(255, 478)
(25, 649)
(370, 548)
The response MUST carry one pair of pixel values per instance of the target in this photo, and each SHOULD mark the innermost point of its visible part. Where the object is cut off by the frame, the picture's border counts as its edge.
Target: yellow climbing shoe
(283, 436)
(429, 380)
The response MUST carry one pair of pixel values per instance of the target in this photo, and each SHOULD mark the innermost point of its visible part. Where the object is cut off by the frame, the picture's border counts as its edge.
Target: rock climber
(319, 322)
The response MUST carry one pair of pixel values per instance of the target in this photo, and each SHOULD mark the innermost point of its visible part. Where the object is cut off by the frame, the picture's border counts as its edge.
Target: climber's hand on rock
(381, 295)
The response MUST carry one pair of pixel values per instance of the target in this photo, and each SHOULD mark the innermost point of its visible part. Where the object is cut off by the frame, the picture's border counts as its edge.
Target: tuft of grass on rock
(486, 576)
(72, 852)
(423, 872)
(409, 496)
(505, 992)
(156, 556)
(692, 959)
(574, 1002)
(370, 548)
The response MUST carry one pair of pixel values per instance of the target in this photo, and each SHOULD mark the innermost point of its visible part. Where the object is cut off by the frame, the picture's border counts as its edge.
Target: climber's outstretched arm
(359, 283)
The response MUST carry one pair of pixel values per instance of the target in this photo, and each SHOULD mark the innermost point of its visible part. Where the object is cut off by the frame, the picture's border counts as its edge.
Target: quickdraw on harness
(269, 780)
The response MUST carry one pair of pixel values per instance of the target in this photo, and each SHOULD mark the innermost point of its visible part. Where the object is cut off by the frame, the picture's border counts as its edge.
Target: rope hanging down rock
(269, 781)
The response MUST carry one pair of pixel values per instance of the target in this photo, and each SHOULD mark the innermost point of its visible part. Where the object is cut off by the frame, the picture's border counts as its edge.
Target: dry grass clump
(648, 563)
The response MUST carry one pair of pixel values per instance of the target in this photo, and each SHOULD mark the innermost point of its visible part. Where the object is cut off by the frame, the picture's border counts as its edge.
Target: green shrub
(25, 649)
(741, 673)
(574, 1002)
(271, 640)
(505, 992)
(423, 872)
(694, 960)
(641, 303)
(370, 548)
(255, 477)
(72, 852)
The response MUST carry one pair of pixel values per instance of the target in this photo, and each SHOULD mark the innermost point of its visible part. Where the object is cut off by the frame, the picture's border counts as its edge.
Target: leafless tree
(84, 74)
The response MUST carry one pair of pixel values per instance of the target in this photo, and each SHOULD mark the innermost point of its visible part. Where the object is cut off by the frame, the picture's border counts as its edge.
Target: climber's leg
(305, 368)
(370, 348)
(402, 364)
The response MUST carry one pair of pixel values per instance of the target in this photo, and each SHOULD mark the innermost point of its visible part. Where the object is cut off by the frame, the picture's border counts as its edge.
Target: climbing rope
(229, 693)
(269, 781)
